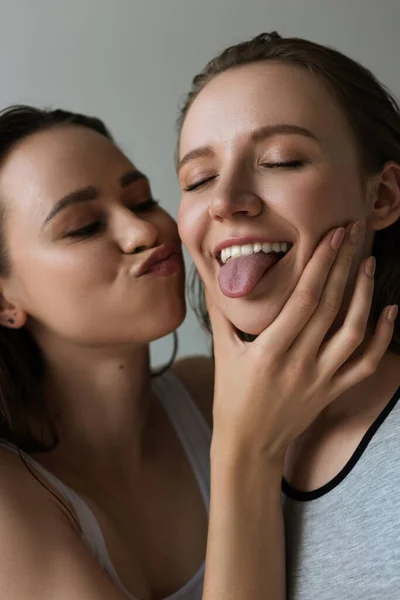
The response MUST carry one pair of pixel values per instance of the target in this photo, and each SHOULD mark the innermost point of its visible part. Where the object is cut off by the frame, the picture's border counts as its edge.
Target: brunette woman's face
(80, 224)
(267, 166)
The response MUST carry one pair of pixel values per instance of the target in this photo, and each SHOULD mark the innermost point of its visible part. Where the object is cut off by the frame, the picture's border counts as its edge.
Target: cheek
(166, 225)
(317, 200)
(60, 278)
(192, 224)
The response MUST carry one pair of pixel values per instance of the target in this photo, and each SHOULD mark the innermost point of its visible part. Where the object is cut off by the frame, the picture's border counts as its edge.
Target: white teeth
(236, 251)
(267, 248)
(225, 254)
(247, 249)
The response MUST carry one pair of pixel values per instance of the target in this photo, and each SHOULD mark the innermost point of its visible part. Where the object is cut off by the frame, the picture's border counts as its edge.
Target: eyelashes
(95, 227)
(144, 206)
(285, 164)
(86, 231)
(197, 184)
(288, 164)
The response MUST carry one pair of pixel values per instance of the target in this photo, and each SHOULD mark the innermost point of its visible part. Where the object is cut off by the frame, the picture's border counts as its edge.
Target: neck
(100, 401)
(368, 398)
(326, 446)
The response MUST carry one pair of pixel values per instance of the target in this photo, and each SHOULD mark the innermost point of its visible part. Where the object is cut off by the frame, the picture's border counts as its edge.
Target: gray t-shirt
(343, 540)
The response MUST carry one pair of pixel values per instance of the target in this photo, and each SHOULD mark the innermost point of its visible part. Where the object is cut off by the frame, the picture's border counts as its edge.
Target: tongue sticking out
(239, 276)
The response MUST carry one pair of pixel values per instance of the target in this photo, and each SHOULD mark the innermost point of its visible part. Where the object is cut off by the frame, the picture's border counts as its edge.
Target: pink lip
(240, 241)
(159, 255)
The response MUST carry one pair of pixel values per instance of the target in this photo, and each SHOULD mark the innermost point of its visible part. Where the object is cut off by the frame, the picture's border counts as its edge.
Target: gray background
(131, 61)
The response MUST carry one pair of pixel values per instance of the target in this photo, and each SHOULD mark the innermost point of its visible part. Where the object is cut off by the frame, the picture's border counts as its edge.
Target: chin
(152, 322)
(166, 321)
(251, 319)
(171, 323)
(164, 309)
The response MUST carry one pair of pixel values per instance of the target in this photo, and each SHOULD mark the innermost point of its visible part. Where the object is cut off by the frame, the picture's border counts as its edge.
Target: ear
(384, 197)
(11, 315)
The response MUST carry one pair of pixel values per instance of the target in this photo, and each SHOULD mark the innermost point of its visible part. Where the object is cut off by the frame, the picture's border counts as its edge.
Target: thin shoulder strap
(190, 426)
(91, 532)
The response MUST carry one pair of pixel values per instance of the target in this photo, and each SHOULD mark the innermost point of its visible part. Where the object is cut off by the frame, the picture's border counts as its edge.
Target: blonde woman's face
(266, 157)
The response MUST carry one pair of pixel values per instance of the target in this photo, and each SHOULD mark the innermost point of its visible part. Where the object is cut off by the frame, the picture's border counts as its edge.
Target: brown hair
(373, 116)
(21, 362)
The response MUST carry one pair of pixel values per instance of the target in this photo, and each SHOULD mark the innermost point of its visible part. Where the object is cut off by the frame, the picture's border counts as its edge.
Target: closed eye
(288, 164)
(93, 228)
(198, 184)
(86, 231)
(144, 206)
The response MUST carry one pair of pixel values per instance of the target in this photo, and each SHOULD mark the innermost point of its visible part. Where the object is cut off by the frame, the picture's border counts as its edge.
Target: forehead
(243, 99)
(55, 162)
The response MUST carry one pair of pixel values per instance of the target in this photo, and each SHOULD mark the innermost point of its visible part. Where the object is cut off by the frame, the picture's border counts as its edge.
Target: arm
(245, 551)
(245, 508)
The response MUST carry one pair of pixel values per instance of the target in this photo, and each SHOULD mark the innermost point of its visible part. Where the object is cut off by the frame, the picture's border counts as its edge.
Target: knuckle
(327, 259)
(296, 370)
(307, 300)
(354, 337)
(368, 366)
(331, 304)
(348, 257)
(270, 362)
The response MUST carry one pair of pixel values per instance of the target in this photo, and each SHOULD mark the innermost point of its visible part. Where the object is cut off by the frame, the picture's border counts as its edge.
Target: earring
(11, 321)
(171, 360)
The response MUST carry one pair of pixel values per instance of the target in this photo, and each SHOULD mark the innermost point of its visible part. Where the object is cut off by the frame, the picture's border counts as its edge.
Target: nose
(133, 233)
(231, 200)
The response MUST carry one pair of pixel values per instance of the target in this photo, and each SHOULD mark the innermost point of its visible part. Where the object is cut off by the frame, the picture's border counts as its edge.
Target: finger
(328, 309)
(352, 333)
(305, 299)
(366, 365)
(222, 329)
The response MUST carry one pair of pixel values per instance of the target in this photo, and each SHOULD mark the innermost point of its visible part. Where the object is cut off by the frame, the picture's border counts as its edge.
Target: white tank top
(195, 437)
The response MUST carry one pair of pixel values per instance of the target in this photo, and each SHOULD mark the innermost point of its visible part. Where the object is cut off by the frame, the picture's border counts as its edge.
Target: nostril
(139, 249)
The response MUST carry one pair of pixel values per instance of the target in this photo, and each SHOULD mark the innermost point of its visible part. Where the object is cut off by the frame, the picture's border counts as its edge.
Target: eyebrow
(203, 152)
(257, 136)
(131, 177)
(281, 128)
(91, 193)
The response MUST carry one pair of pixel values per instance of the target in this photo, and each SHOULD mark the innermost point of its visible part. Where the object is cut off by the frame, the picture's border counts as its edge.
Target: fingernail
(393, 313)
(369, 267)
(337, 238)
(355, 232)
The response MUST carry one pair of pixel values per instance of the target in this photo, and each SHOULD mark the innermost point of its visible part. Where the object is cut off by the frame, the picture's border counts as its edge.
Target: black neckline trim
(301, 496)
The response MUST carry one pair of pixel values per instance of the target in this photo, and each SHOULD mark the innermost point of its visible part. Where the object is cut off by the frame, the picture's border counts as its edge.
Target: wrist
(237, 456)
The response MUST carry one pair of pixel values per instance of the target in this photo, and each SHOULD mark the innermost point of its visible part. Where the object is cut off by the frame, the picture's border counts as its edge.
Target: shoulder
(27, 514)
(40, 554)
(197, 375)
(25, 490)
